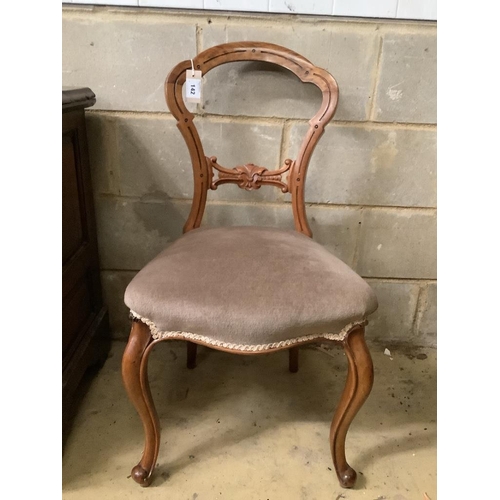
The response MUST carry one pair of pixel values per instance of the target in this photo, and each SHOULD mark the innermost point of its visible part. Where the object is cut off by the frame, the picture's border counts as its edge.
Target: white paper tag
(193, 86)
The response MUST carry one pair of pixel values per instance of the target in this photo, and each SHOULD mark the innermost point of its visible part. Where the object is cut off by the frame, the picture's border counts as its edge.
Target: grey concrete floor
(241, 427)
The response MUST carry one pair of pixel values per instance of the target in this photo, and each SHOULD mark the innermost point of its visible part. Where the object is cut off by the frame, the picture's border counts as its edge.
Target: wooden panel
(72, 229)
(85, 330)
(77, 308)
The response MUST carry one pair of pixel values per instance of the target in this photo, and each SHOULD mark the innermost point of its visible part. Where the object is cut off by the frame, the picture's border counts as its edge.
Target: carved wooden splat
(248, 176)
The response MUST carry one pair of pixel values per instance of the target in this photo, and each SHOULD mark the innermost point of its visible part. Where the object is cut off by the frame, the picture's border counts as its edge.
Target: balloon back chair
(248, 290)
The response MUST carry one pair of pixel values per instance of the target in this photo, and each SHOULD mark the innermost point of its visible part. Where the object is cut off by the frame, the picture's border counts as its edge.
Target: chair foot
(357, 388)
(347, 478)
(293, 359)
(191, 355)
(135, 379)
(141, 476)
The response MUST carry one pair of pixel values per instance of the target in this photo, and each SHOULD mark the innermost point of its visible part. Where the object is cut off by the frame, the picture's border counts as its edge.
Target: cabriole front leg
(135, 378)
(358, 386)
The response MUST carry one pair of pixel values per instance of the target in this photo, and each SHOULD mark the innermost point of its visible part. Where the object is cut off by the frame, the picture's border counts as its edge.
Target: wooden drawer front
(81, 295)
(85, 327)
(77, 312)
(73, 207)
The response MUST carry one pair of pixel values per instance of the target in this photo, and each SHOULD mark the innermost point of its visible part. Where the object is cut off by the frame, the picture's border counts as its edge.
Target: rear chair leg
(357, 388)
(135, 379)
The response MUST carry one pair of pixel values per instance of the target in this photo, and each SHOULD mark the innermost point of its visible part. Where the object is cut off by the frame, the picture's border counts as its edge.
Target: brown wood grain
(85, 330)
(135, 379)
(357, 388)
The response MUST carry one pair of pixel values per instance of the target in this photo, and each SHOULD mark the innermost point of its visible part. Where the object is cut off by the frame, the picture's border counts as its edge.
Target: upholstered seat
(249, 288)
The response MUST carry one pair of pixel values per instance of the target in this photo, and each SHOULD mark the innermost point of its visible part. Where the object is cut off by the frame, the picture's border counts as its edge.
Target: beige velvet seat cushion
(250, 286)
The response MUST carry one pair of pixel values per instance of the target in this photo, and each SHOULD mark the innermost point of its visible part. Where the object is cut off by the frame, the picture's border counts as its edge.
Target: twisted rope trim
(159, 335)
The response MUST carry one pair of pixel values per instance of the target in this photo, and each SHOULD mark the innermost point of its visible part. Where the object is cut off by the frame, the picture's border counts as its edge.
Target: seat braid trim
(160, 335)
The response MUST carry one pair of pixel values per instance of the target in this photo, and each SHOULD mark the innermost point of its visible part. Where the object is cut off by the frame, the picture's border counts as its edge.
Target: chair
(248, 290)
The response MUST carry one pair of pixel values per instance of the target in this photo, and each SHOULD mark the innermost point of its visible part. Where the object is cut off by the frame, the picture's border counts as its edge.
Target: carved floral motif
(248, 176)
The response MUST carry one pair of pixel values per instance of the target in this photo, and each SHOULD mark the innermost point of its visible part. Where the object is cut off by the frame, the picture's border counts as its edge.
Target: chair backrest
(250, 176)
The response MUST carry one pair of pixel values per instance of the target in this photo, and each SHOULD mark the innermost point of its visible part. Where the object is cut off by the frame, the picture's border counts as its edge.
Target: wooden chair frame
(135, 359)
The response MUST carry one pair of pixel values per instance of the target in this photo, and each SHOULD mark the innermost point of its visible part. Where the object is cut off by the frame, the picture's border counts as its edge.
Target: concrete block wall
(371, 189)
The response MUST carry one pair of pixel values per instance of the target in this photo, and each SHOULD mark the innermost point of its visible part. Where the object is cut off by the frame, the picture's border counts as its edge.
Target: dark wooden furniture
(158, 315)
(85, 331)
